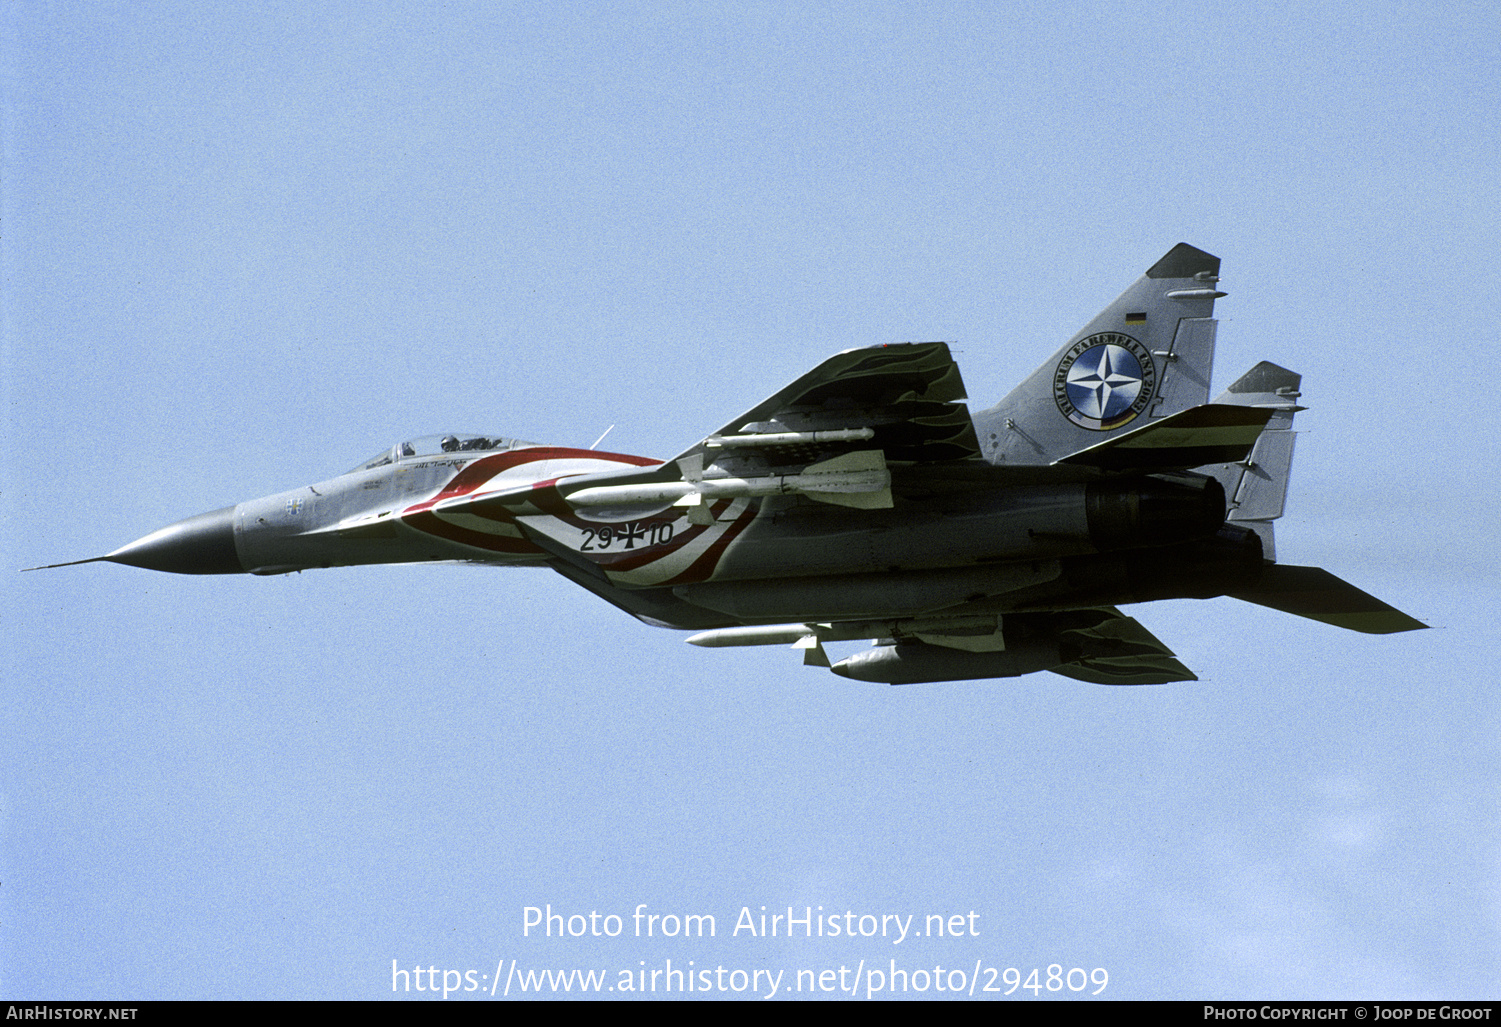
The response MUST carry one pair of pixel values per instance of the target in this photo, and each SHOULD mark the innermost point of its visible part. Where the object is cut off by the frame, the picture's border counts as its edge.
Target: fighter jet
(864, 501)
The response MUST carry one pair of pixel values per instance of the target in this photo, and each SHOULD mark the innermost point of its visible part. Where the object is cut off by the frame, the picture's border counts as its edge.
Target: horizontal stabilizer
(1208, 434)
(1314, 593)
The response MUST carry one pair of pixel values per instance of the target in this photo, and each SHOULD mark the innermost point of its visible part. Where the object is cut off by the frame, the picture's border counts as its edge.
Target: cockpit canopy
(437, 445)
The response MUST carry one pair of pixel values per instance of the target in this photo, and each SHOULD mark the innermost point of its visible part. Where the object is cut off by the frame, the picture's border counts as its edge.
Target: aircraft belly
(753, 539)
(649, 552)
(1018, 524)
(875, 595)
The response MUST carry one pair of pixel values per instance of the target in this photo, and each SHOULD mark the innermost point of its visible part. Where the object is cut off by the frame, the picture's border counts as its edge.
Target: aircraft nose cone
(197, 545)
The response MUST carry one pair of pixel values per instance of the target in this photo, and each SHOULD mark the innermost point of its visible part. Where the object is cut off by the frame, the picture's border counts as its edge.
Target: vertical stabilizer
(1147, 355)
(1256, 487)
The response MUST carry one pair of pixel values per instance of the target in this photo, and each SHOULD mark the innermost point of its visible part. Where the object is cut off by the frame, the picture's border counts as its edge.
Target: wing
(1119, 651)
(908, 396)
(1099, 645)
(832, 436)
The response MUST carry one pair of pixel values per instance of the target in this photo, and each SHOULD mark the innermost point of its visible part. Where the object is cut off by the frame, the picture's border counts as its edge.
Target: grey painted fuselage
(863, 501)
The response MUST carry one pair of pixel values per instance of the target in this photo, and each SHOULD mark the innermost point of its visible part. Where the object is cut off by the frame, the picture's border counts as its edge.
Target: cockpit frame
(439, 445)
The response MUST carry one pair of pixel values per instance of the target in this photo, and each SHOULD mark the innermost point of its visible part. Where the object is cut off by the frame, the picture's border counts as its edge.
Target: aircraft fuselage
(864, 500)
(749, 558)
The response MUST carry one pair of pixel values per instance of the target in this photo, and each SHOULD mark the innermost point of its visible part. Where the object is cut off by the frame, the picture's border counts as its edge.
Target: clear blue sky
(246, 246)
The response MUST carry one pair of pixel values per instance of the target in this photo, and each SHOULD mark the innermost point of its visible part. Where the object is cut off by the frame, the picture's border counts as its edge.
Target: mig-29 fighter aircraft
(863, 501)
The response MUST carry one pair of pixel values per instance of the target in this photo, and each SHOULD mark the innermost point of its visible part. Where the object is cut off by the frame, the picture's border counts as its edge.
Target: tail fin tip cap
(1184, 261)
